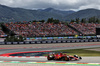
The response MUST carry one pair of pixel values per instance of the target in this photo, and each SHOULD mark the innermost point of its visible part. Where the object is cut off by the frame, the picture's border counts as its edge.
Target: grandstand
(86, 29)
(39, 29)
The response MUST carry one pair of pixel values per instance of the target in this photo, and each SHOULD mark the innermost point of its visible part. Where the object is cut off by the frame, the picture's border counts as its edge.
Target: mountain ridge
(86, 13)
(9, 14)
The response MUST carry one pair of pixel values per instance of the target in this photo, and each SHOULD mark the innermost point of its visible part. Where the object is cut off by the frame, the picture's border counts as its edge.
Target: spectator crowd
(39, 29)
(86, 28)
(36, 29)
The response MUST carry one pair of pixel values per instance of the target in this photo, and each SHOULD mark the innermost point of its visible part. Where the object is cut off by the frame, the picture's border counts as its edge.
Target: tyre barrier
(50, 41)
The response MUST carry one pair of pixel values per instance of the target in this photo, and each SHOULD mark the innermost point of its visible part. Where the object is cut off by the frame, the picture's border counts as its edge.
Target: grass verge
(80, 52)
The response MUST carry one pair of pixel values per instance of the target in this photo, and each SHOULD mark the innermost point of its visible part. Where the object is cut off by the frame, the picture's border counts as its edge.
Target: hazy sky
(58, 4)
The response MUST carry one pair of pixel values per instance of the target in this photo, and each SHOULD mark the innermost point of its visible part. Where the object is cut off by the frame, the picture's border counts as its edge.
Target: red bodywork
(58, 56)
(61, 56)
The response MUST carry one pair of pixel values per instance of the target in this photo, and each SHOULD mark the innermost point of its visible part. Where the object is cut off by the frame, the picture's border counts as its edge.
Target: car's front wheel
(80, 57)
(76, 56)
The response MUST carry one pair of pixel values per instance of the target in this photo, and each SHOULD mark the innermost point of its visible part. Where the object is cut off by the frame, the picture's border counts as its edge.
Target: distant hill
(62, 13)
(9, 14)
(87, 13)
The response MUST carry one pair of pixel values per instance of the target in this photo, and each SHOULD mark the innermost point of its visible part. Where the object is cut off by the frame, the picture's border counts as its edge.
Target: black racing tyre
(80, 57)
(48, 57)
(62, 59)
(76, 56)
(66, 58)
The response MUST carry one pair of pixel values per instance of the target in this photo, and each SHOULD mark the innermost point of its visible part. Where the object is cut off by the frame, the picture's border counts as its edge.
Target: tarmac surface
(44, 45)
(22, 64)
(84, 60)
(51, 47)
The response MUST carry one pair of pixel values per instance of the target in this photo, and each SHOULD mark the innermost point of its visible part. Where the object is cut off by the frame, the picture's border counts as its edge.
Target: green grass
(93, 48)
(80, 52)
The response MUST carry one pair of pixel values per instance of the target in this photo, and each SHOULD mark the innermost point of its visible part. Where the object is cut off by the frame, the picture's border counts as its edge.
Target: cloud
(58, 4)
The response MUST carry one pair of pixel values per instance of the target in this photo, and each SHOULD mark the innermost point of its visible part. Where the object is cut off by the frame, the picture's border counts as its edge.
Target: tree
(77, 20)
(97, 20)
(35, 21)
(56, 21)
(1, 23)
(92, 20)
(72, 20)
(83, 20)
(41, 20)
(51, 20)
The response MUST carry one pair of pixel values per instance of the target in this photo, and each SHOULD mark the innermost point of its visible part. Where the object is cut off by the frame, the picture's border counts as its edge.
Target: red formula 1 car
(63, 57)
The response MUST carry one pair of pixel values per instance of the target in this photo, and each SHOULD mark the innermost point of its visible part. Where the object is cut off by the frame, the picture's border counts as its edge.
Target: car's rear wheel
(48, 58)
(66, 58)
(63, 59)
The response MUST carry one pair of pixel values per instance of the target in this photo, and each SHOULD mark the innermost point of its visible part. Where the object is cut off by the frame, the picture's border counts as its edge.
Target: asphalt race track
(84, 59)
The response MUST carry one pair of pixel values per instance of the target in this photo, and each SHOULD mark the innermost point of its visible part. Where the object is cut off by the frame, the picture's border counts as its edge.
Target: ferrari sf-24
(62, 56)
